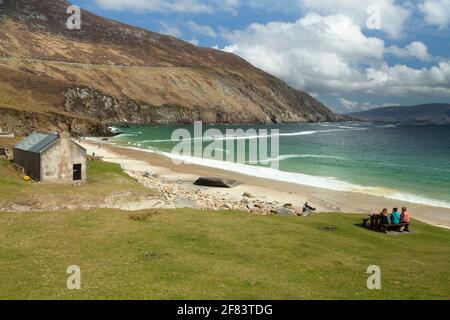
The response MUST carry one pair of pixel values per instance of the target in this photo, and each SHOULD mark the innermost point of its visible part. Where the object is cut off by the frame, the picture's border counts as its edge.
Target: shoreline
(265, 190)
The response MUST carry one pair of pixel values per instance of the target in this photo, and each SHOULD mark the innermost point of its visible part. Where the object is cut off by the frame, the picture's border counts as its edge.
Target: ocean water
(404, 162)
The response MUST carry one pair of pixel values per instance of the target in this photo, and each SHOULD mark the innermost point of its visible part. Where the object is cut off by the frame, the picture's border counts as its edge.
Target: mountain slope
(109, 72)
(433, 113)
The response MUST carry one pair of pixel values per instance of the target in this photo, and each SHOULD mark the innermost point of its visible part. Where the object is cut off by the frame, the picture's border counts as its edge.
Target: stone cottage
(53, 158)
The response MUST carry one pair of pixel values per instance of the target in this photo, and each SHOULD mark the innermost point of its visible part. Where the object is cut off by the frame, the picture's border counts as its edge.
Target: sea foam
(252, 137)
(329, 183)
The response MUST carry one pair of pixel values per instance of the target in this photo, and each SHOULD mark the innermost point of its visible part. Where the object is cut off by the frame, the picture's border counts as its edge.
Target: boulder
(286, 211)
(216, 182)
(248, 195)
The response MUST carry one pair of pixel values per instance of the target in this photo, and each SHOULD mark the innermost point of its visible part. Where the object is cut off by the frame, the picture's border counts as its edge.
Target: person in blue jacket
(395, 216)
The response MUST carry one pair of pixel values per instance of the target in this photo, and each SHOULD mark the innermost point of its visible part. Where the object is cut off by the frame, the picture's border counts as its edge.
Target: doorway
(76, 172)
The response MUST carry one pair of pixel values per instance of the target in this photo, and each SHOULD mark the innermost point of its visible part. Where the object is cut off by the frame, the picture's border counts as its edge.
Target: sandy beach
(155, 170)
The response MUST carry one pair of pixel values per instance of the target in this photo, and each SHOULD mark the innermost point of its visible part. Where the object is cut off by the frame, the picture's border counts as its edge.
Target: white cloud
(416, 49)
(402, 81)
(436, 12)
(311, 53)
(349, 106)
(393, 15)
(194, 42)
(201, 29)
(170, 29)
(353, 106)
(330, 55)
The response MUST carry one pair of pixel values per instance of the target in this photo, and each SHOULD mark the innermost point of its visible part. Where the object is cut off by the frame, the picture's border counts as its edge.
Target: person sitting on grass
(395, 216)
(385, 219)
(307, 208)
(404, 217)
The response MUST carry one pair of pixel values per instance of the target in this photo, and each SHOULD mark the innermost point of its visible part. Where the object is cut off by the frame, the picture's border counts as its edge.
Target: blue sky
(350, 54)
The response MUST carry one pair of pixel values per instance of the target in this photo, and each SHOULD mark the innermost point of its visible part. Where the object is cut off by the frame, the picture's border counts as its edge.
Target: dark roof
(36, 142)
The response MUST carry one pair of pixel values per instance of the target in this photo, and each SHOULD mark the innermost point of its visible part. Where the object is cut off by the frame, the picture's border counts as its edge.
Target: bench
(386, 227)
(375, 224)
(365, 220)
(374, 221)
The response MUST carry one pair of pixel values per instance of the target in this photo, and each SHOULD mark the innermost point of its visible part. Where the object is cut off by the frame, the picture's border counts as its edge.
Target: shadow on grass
(392, 233)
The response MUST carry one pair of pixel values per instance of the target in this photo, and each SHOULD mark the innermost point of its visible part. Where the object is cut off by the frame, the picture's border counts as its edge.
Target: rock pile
(180, 194)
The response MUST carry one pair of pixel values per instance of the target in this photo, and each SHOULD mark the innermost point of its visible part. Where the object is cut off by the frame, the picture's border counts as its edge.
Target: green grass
(104, 180)
(188, 254)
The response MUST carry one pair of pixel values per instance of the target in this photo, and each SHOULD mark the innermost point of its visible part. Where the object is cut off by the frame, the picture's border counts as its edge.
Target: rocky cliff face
(109, 72)
(23, 122)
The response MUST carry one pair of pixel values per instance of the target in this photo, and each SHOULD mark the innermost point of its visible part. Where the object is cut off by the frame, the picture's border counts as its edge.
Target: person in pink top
(405, 216)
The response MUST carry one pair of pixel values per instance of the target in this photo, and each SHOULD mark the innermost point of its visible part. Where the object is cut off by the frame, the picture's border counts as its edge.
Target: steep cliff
(109, 72)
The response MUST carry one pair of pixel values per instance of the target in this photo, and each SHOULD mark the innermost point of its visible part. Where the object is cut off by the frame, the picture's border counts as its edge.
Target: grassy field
(188, 254)
(104, 180)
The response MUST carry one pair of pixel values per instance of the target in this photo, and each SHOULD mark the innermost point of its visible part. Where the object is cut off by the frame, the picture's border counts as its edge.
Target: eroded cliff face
(109, 109)
(92, 103)
(108, 72)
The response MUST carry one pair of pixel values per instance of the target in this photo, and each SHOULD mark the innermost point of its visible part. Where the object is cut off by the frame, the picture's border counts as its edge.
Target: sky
(352, 55)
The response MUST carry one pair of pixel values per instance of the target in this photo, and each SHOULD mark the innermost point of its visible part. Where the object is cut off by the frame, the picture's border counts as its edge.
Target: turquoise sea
(404, 162)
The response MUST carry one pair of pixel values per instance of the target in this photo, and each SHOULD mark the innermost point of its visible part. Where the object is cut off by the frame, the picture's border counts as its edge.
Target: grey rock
(286, 211)
(216, 182)
(248, 195)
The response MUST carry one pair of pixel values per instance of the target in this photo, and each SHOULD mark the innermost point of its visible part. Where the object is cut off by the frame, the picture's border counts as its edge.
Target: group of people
(395, 217)
(385, 218)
